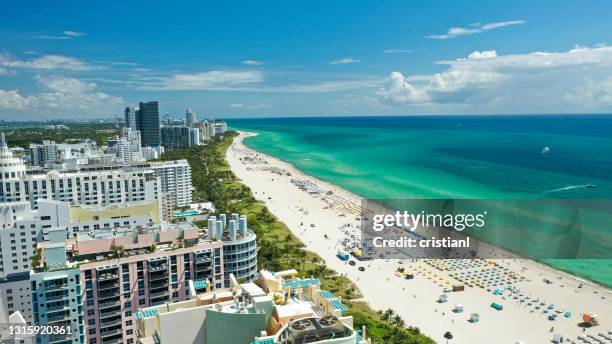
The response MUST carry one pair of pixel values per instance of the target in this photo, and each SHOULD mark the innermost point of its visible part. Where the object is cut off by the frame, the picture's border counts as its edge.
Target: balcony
(58, 308)
(104, 315)
(203, 259)
(55, 287)
(113, 341)
(107, 276)
(60, 339)
(108, 304)
(105, 334)
(107, 286)
(106, 295)
(60, 318)
(157, 267)
(203, 267)
(56, 297)
(110, 323)
(159, 294)
(158, 276)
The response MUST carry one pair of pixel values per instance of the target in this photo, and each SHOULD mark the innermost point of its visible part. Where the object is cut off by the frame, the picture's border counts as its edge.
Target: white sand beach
(524, 318)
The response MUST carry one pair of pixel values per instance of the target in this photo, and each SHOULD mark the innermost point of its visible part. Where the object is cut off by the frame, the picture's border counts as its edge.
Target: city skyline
(315, 58)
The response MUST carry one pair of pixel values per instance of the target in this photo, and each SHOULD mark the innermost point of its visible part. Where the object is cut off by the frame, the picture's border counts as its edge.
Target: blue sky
(279, 58)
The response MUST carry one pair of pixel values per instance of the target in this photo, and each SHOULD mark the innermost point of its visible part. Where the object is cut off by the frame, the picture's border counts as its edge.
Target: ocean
(462, 157)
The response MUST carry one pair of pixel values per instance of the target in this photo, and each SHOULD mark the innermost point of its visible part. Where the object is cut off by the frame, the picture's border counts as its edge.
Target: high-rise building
(175, 178)
(16, 297)
(57, 293)
(190, 117)
(248, 313)
(22, 228)
(11, 167)
(195, 136)
(88, 185)
(147, 122)
(130, 117)
(127, 148)
(175, 137)
(123, 271)
(46, 153)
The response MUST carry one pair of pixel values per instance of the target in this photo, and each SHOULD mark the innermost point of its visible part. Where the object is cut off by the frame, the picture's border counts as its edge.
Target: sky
(85, 59)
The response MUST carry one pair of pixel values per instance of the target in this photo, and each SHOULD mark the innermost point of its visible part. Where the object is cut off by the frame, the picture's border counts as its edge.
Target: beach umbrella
(448, 335)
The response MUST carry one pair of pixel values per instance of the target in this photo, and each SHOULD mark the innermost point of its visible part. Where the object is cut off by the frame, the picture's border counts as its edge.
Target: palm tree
(118, 250)
(321, 271)
(278, 300)
(398, 321)
(387, 315)
(302, 257)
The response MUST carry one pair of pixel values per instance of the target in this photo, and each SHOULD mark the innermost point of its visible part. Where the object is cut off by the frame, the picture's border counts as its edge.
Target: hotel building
(89, 185)
(127, 147)
(122, 270)
(248, 313)
(56, 293)
(175, 178)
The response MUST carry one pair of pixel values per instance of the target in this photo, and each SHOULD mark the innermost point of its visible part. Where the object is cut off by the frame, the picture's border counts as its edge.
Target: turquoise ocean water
(474, 157)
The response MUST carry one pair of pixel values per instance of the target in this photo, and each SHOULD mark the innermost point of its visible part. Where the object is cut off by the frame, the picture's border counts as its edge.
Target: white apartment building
(45, 153)
(63, 155)
(127, 147)
(175, 178)
(20, 231)
(219, 127)
(88, 185)
(22, 228)
(150, 153)
(16, 296)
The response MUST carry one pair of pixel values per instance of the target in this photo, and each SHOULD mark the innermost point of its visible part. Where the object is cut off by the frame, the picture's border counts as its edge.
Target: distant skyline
(239, 59)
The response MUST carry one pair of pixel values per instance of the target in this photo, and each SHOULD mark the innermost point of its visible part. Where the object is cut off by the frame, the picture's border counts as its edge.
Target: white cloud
(66, 35)
(252, 81)
(541, 80)
(345, 60)
(216, 80)
(259, 106)
(475, 28)
(65, 85)
(253, 63)
(63, 95)
(397, 51)
(48, 62)
(53, 38)
(11, 99)
(74, 34)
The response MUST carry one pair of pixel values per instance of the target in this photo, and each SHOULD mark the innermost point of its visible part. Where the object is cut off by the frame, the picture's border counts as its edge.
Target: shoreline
(595, 284)
(420, 310)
